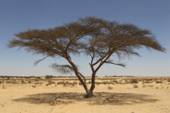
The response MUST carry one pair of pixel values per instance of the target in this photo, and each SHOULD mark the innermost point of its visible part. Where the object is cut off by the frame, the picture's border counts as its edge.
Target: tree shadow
(100, 98)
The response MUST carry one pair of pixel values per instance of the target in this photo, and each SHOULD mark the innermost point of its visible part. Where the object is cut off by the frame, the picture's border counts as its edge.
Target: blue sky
(21, 15)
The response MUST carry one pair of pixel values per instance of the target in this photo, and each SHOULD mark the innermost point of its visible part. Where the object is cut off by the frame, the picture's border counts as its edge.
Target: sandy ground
(117, 98)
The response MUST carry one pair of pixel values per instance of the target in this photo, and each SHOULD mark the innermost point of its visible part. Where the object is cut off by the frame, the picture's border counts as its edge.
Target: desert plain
(113, 94)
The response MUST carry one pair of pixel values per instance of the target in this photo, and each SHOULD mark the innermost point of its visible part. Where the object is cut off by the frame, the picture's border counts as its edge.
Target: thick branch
(81, 78)
(103, 61)
(91, 62)
(118, 64)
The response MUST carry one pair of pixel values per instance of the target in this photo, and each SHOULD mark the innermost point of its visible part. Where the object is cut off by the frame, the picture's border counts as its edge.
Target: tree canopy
(97, 38)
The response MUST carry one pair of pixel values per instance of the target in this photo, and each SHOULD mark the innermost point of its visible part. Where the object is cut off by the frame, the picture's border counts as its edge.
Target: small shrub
(29, 81)
(159, 81)
(148, 81)
(50, 83)
(135, 86)
(134, 81)
(168, 80)
(34, 86)
(109, 88)
(48, 77)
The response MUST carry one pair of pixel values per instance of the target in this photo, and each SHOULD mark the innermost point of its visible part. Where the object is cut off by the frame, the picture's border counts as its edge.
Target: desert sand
(65, 95)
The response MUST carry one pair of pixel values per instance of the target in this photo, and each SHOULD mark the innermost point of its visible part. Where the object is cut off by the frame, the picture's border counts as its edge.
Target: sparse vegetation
(72, 81)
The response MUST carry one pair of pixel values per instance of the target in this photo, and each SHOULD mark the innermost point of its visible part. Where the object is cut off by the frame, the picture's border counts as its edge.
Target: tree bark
(79, 75)
(92, 85)
(91, 89)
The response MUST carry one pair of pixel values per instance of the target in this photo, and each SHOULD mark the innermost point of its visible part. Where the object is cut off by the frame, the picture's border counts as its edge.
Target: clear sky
(21, 15)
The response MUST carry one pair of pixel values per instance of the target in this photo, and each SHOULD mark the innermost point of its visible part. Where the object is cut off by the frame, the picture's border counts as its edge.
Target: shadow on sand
(100, 98)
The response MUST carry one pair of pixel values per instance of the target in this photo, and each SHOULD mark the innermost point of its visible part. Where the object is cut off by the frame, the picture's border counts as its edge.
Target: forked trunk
(78, 74)
(89, 94)
(90, 91)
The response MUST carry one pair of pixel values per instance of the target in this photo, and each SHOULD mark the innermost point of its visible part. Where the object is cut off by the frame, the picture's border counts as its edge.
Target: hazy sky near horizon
(22, 15)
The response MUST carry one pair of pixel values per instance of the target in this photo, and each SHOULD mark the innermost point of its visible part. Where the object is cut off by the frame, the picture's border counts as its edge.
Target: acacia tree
(97, 38)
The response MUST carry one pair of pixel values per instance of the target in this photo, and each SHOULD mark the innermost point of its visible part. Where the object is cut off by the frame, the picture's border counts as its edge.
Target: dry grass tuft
(109, 87)
(135, 86)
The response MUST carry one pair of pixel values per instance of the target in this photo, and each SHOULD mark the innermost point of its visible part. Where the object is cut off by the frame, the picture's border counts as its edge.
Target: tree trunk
(89, 94)
(90, 91)
(79, 76)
